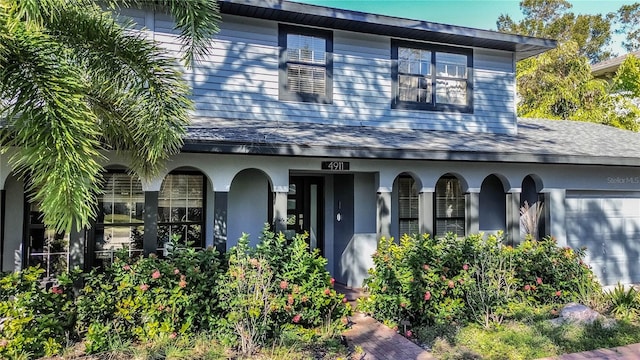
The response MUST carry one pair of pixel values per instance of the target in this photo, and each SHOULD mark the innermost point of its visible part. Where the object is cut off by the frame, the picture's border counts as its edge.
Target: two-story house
(353, 126)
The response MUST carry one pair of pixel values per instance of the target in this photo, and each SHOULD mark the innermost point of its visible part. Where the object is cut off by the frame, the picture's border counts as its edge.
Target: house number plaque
(335, 165)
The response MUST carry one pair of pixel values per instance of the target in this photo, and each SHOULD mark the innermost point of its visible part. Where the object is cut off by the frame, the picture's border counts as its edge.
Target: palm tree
(75, 81)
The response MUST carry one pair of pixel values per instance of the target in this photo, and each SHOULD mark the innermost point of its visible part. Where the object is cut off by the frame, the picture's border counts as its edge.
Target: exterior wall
(240, 80)
(14, 221)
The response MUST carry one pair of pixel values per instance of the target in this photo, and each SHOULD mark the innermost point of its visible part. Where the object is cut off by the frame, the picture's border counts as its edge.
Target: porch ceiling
(537, 141)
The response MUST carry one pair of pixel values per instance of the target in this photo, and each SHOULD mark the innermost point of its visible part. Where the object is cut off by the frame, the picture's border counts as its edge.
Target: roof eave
(325, 17)
(271, 149)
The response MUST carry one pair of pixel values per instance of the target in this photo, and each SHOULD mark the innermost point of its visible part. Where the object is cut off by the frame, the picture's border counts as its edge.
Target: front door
(305, 209)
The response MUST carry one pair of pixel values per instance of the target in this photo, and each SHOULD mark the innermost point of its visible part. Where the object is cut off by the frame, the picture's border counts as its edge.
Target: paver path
(381, 343)
(629, 352)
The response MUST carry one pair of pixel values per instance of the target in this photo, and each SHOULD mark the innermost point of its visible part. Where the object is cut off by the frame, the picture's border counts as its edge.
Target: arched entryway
(493, 212)
(249, 205)
(531, 208)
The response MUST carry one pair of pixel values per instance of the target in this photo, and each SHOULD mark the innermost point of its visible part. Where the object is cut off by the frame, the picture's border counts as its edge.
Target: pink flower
(327, 291)
(425, 267)
(156, 274)
(290, 299)
(344, 300)
(465, 267)
(126, 267)
(527, 287)
(144, 287)
(56, 290)
(4, 342)
(427, 296)
(182, 284)
(332, 281)
(408, 333)
(296, 319)
(284, 284)
(403, 305)
(558, 293)
(173, 335)
(539, 281)
(451, 284)
(176, 271)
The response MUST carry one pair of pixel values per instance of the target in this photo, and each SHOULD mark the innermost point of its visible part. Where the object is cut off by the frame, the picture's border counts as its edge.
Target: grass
(522, 340)
(206, 347)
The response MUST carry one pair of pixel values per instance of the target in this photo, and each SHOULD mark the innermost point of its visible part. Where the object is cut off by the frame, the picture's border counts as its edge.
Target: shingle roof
(537, 141)
(610, 66)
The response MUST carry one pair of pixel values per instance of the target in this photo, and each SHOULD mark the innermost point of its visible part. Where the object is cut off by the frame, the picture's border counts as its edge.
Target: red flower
(156, 274)
(182, 284)
(56, 290)
(558, 293)
(408, 333)
(427, 296)
(527, 287)
(296, 319)
(465, 267)
(327, 291)
(126, 268)
(344, 300)
(539, 281)
(284, 284)
(144, 287)
(176, 271)
(332, 281)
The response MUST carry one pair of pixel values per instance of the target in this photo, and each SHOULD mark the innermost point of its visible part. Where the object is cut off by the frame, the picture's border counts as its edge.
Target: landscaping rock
(581, 314)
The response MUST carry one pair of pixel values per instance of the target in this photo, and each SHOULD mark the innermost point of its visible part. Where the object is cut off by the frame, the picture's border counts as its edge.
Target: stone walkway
(629, 352)
(380, 342)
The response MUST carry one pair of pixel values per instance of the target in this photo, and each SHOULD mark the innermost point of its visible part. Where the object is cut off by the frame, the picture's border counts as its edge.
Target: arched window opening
(450, 207)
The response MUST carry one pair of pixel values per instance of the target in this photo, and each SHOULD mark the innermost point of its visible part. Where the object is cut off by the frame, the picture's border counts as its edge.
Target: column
(3, 201)
(77, 241)
(220, 210)
(150, 238)
(513, 217)
(383, 218)
(426, 212)
(472, 212)
(280, 209)
(554, 213)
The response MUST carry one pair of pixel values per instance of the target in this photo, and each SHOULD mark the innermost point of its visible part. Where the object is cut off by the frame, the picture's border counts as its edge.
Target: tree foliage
(75, 81)
(553, 19)
(558, 84)
(628, 17)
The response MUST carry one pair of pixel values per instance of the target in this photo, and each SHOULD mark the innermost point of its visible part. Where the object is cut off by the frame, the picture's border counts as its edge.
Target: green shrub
(275, 288)
(38, 320)
(454, 279)
(150, 297)
(624, 303)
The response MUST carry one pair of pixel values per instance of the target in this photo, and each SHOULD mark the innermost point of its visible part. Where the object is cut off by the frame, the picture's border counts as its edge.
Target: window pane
(122, 200)
(306, 79)
(409, 227)
(303, 48)
(449, 207)
(413, 88)
(451, 92)
(451, 65)
(414, 61)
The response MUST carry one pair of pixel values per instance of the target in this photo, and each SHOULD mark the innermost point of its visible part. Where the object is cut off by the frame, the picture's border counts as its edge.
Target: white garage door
(608, 224)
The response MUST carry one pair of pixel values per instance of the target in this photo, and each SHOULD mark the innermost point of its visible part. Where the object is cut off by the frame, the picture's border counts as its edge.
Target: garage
(608, 224)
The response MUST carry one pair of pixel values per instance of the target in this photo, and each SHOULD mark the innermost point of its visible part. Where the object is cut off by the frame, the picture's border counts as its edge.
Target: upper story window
(430, 77)
(306, 64)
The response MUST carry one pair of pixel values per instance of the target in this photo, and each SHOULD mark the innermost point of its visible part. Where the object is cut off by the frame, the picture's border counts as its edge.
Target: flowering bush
(278, 285)
(455, 279)
(37, 319)
(150, 297)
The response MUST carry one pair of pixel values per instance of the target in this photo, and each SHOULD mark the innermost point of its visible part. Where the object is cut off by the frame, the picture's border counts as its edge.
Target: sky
(481, 14)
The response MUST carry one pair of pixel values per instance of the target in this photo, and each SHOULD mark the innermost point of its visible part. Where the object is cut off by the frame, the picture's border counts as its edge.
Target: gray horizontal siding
(239, 79)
